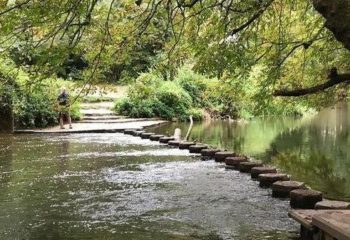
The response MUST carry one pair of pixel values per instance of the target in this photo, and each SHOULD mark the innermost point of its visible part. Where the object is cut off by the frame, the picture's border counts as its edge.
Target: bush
(152, 97)
(188, 94)
(38, 110)
(172, 101)
(35, 111)
(196, 113)
(127, 107)
(194, 84)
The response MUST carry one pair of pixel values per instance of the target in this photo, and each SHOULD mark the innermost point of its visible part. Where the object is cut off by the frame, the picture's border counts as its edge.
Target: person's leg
(69, 120)
(61, 120)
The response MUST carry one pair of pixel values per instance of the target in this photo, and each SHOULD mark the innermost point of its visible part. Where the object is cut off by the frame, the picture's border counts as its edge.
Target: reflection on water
(312, 149)
(101, 186)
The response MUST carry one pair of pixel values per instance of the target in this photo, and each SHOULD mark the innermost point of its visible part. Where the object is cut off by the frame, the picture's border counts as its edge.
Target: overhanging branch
(334, 79)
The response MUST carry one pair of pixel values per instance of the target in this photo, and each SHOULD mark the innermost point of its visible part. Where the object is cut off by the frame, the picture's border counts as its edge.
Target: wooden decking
(335, 224)
(331, 223)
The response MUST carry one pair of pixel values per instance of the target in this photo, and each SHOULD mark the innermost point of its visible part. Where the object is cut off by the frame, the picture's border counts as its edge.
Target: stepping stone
(166, 139)
(267, 179)
(282, 189)
(186, 145)
(156, 137)
(175, 143)
(221, 156)
(146, 135)
(328, 204)
(246, 167)
(255, 171)
(130, 131)
(304, 198)
(137, 133)
(197, 148)
(208, 154)
(233, 162)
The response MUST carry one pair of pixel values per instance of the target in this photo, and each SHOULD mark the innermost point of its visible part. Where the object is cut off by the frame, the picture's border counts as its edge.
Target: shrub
(155, 98)
(151, 96)
(196, 113)
(38, 109)
(172, 101)
(34, 111)
(194, 84)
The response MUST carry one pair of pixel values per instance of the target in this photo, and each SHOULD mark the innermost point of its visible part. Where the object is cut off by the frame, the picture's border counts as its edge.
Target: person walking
(64, 108)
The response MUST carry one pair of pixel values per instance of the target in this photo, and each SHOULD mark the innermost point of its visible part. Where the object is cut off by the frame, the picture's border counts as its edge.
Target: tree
(249, 31)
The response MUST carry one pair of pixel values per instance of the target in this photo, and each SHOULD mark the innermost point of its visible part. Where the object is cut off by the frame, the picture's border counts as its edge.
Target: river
(114, 186)
(313, 149)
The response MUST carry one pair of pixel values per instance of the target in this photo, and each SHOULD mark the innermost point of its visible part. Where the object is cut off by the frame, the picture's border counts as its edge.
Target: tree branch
(252, 19)
(334, 79)
(19, 5)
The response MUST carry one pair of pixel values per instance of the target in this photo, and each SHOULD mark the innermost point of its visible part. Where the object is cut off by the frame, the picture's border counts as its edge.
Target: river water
(114, 186)
(314, 149)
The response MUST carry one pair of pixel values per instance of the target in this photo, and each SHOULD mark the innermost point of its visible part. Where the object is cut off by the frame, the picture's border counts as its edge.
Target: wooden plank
(304, 217)
(334, 223)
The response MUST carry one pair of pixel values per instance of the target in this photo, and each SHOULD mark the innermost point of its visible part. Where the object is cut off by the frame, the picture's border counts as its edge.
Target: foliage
(34, 105)
(34, 111)
(151, 96)
(194, 84)
(240, 52)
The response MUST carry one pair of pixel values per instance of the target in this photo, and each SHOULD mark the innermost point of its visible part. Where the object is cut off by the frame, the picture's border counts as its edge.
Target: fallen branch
(334, 79)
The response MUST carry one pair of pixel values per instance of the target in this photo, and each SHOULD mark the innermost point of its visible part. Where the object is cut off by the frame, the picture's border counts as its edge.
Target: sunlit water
(314, 149)
(114, 186)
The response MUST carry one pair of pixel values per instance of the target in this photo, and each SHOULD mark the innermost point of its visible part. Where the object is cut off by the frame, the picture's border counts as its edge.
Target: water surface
(113, 186)
(314, 149)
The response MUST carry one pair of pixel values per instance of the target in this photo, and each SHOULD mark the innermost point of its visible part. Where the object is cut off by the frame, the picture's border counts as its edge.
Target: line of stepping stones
(282, 186)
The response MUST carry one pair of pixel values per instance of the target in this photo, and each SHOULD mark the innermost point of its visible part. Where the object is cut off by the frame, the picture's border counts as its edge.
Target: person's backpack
(62, 99)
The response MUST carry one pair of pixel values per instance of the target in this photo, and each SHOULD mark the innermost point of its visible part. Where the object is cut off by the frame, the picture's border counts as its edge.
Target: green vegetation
(190, 93)
(33, 105)
(152, 96)
(180, 58)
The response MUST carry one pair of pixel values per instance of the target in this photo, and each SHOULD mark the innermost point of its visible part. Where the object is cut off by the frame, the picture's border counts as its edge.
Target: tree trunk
(337, 15)
(6, 114)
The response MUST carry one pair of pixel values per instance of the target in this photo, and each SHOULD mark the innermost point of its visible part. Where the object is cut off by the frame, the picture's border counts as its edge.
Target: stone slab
(209, 152)
(233, 162)
(197, 148)
(221, 156)
(267, 179)
(256, 171)
(305, 198)
(166, 139)
(174, 143)
(246, 167)
(156, 137)
(186, 145)
(328, 204)
(146, 135)
(282, 189)
(130, 131)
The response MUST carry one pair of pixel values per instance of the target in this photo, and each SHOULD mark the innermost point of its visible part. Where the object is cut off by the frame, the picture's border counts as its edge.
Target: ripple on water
(128, 188)
(189, 193)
